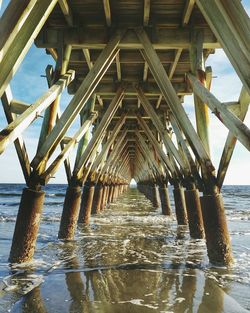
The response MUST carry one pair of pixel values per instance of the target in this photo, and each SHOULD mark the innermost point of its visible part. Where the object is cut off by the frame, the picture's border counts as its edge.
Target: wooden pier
(128, 64)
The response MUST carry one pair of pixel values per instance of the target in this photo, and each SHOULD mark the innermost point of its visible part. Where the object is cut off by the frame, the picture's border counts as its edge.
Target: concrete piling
(27, 226)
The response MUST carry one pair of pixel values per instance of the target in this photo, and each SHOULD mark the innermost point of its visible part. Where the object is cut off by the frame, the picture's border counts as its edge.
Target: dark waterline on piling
(131, 258)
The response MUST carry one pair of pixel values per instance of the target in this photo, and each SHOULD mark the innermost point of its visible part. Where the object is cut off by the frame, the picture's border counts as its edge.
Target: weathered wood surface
(15, 128)
(23, 38)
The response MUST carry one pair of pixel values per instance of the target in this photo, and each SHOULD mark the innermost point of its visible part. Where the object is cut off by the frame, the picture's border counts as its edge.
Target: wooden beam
(115, 152)
(160, 128)
(23, 40)
(174, 64)
(14, 15)
(151, 89)
(16, 127)
(230, 23)
(19, 143)
(173, 101)
(198, 69)
(51, 170)
(145, 72)
(108, 144)
(233, 123)
(18, 107)
(110, 112)
(148, 155)
(89, 108)
(89, 38)
(228, 150)
(90, 65)
(157, 146)
(66, 12)
(158, 101)
(187, 11)
(107, 12)
(146, 12)
(51, 113)
(77, 103)
(118, 67)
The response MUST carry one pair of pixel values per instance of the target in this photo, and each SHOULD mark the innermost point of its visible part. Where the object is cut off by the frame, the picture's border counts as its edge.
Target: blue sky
(27, 85)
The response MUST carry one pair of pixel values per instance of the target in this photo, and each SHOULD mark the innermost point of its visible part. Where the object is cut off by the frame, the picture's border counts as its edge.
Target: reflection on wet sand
(33, 302)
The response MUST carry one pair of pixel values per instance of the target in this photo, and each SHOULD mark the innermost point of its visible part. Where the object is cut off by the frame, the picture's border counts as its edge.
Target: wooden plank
(15, 128)
(52, 169)
(100, 129)
(107, 11)
(187, 11)
(77, 103)
(23, 40)
(19, 143)
(233, 123)
(66, 12)
(172, 99)
(89, 38)
(146, 12)
(231, 140)
(230, 23)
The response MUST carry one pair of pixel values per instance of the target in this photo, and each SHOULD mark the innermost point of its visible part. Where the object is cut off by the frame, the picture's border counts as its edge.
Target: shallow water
(130, 259)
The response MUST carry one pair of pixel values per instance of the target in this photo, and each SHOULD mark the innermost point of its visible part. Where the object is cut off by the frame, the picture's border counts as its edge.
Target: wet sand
(130, 259)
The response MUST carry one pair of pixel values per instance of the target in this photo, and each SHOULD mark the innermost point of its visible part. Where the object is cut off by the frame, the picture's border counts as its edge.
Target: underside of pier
(128, 65)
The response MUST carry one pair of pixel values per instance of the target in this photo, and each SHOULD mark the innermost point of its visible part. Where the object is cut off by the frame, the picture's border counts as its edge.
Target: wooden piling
(86, 202)
(180, 205)
(194, 214)
(165, 201)
(217, 235)
(27, 226)
(70, 213)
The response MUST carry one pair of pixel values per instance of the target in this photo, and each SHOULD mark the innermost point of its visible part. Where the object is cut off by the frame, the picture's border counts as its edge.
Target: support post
(27, 225)
(86, 203)
(194, 213)
(165, 202)
(154, 195)
(97, 207)
(70, 213)
(180, 205)
(217, 235)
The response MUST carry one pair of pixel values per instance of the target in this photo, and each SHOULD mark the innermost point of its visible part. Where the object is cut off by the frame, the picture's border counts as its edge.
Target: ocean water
(129, 259)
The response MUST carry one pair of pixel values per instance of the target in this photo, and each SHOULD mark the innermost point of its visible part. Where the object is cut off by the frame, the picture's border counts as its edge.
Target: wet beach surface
(130, 259)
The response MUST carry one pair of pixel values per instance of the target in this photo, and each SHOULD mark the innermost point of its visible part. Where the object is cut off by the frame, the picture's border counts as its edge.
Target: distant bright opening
(133, 183)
